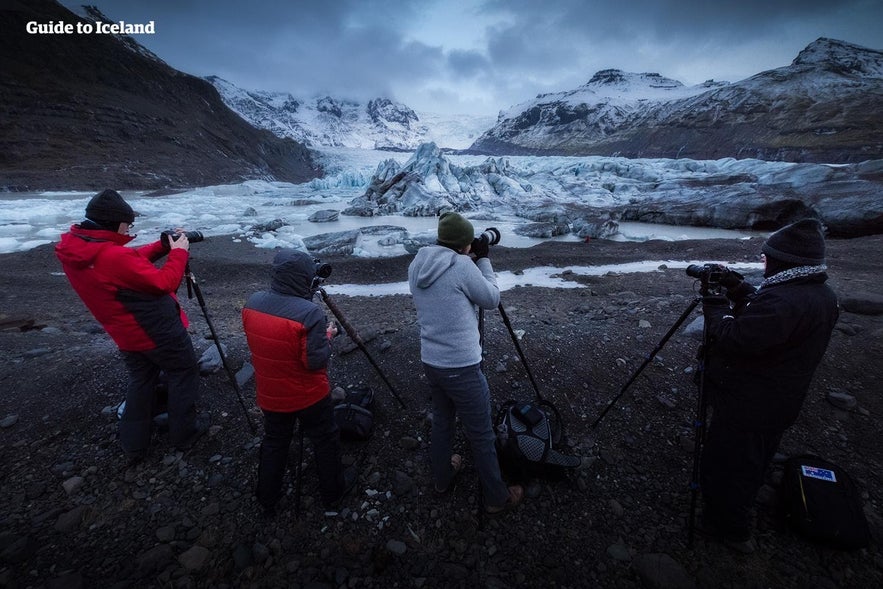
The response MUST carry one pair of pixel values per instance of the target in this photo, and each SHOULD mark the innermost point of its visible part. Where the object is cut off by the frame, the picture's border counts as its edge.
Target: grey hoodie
(447, 288)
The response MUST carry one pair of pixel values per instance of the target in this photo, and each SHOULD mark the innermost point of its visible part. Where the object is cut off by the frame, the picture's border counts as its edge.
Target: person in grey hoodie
(448, 287)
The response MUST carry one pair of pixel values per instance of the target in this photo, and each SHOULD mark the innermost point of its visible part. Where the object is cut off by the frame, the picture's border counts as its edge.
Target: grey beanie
(455, 230)
(801, 243)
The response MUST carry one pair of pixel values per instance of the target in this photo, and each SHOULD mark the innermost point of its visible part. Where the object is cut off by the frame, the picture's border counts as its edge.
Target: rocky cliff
(92, 111)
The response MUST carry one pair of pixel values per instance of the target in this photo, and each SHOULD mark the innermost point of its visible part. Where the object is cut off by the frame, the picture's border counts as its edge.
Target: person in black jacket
(760, 358)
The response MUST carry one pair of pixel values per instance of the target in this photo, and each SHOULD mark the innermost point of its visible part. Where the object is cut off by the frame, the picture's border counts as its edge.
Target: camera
(170, 235)
(708, 273)
(490, 236)
(323, 271)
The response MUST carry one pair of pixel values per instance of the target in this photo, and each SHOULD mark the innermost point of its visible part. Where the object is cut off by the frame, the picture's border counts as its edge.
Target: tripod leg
(699, 436)
(193, 287)
(648, 359)
(508, 325)
(354, 335)
(298, 470)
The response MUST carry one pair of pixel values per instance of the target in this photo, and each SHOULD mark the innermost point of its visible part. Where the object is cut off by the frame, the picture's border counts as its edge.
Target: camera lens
(491, 235)
(194, 236)
(695, 270)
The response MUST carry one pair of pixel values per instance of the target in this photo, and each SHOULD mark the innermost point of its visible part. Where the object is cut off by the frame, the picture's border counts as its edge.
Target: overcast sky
(481, 56)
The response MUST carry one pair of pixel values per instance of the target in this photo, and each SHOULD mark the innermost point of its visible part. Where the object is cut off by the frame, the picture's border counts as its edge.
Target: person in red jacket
(288, 335)
(135, 303)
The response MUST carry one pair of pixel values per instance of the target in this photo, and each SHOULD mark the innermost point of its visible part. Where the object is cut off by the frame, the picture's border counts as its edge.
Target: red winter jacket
(287, 337)
(132, 299)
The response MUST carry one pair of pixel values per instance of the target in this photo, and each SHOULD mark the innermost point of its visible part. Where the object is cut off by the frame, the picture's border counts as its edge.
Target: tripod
(193, 288)
(357, 339)
(701, 405)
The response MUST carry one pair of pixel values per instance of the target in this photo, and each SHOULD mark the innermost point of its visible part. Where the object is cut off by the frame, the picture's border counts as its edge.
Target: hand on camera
(731, 278)
(480, 248)
(180, 243)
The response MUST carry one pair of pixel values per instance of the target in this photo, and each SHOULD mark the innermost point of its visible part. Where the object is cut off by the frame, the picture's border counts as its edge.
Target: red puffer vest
(287, 337)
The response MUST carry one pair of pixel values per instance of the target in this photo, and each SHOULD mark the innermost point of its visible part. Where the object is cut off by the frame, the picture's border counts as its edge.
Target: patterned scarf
(791, 274)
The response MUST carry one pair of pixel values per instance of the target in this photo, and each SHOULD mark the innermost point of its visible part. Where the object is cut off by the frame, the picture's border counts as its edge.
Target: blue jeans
(464, 392)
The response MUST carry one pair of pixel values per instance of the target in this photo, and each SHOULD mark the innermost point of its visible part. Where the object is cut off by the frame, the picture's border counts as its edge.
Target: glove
(480, 248)
(731, 279)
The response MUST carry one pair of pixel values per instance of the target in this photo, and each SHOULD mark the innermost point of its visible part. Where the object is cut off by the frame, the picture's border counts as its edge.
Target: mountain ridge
(824, 107)
(326, 121)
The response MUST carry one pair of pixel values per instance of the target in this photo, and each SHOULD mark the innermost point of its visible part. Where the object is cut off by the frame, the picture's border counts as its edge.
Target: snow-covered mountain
(824, 107)
(327, 121)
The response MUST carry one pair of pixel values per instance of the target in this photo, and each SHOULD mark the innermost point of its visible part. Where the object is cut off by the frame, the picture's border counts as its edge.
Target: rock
(269, 227)
(695, 328)
(644, 324)
(324, 216)
(155, 558)
(194, 558)
(15, 549)
(409, 443)
(862, 303)
(70, 520)
(402, 484)
(73, 580)
(619, 552)
(210, 361)
(396, 547)
(9, 421)
(661, 571)
(260, 552)
(165, 533)
(242, 557)
(73, 484)
(341, 242)
(841, 400)
(36, 352)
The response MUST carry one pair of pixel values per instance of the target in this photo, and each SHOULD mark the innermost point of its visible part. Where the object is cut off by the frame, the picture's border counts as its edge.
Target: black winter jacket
(761, 356)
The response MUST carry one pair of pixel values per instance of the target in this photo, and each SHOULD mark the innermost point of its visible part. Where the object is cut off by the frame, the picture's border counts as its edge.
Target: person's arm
(133, 271)
(766, 323)
(480, 284)
(318, 344)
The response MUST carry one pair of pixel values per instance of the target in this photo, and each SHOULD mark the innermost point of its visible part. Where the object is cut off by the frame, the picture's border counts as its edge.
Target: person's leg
(468, 390)
(181, 367)
(441, 440)
(732, 471)
(135, 423)
(273, 456)
(320, 427)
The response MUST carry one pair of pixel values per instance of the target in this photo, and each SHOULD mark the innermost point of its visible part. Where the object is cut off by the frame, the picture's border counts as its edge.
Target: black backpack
(527, 437)
(354, 415)
(822, 503)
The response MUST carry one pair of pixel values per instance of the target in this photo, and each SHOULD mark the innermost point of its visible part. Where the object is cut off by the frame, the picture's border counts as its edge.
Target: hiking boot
(200, 426)
(135, 458)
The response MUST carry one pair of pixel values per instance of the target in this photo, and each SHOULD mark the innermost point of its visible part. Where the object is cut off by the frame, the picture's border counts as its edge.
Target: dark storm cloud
(484, 54)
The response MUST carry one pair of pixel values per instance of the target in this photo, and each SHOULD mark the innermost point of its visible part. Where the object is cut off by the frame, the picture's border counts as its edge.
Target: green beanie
(455, 230)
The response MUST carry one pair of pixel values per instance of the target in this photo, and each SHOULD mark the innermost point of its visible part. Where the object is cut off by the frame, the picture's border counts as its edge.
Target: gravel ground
(73, 514)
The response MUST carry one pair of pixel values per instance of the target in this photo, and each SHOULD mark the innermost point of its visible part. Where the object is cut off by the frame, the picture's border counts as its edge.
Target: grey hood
(431, 262)
(292, 273)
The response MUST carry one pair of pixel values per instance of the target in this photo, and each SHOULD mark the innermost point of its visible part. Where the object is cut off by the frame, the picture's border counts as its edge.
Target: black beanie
(107, 208)
(801, 243)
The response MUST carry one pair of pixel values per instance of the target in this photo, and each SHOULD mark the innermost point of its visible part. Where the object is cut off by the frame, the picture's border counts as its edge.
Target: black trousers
(178, 361)
(732, 471)
(319, 426)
